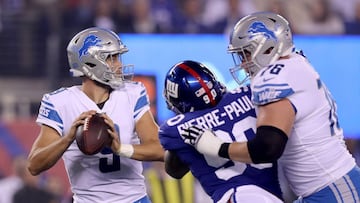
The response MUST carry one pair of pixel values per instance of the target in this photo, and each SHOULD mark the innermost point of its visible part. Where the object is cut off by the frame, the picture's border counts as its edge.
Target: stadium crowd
(28, 26)
(176, 16)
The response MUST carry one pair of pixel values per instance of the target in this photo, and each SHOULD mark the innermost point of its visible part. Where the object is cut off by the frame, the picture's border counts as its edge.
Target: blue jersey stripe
(142, 101)
(270, 85)
(47, 103)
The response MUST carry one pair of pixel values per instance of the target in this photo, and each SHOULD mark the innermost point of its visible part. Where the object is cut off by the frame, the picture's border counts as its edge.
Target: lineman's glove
(204, 140)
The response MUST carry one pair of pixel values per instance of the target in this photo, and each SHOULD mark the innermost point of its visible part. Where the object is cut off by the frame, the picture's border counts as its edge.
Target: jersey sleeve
(140, 99)
(170, 138)
(273, 84)
(49, 114)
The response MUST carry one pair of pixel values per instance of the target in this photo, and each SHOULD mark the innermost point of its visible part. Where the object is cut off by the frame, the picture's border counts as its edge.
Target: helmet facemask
(109, 69)
(117, 73)
(244, 67)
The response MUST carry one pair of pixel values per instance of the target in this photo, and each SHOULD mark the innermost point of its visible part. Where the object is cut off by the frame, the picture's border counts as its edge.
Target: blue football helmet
(191, 86)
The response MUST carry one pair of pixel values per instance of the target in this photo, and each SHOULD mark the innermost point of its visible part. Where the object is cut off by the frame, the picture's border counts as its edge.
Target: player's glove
(204, 140)
(192, 134)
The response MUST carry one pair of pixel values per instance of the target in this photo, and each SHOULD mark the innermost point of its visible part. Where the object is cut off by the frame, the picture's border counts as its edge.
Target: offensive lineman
(297, 120)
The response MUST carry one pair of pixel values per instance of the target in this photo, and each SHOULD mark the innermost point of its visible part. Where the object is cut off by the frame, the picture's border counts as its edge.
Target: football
(93, 136)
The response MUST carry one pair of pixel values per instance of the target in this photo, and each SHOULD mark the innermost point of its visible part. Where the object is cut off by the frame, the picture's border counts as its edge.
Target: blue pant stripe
(343, 190)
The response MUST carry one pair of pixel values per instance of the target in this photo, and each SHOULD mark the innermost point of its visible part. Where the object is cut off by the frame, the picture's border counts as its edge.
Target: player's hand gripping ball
(93, 136)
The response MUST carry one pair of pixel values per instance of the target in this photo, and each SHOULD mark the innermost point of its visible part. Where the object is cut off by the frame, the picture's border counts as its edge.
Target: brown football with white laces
(93, 136)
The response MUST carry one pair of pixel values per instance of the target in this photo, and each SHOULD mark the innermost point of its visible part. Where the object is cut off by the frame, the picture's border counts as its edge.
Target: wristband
(125, 150)
(209, 144)
(224, 150)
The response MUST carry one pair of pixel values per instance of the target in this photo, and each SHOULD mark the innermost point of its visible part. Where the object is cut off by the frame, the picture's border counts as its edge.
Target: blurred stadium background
(159, 33)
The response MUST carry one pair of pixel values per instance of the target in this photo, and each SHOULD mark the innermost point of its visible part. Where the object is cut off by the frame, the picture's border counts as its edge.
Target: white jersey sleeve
(50, 111)
(103, 177)
(315, 154)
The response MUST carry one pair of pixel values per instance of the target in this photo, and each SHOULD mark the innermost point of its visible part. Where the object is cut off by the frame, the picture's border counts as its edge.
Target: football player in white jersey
(115, 173)
(297, 122)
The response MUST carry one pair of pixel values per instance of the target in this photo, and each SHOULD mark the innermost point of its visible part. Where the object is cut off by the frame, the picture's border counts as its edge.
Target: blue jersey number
(273, 69)
(333, 117)
(106, 165)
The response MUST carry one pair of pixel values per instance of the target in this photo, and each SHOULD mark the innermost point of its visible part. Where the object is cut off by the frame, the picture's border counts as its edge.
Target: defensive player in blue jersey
(112, 175)
(193, 92)
(297, 122)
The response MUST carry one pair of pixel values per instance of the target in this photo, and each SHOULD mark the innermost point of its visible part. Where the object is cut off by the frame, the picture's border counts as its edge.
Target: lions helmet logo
(259, 27)
(90, 41)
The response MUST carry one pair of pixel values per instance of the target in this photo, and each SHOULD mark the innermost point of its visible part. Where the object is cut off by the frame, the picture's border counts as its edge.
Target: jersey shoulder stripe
(138, 98)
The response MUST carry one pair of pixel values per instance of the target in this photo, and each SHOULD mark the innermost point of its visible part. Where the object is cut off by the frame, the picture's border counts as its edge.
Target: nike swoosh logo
(267, 79)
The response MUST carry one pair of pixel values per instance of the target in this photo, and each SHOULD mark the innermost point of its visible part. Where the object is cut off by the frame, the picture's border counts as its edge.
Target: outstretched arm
(206, 142)
(275, 121)
(149, 148)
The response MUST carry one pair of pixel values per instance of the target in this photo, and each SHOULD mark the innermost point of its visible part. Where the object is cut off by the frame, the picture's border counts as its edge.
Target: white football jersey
(315, 154)
(103, 177)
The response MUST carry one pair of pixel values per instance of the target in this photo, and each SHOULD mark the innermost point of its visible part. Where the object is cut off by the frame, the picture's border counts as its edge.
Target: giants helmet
(258, 40)
(87, 54)
(191, 86)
